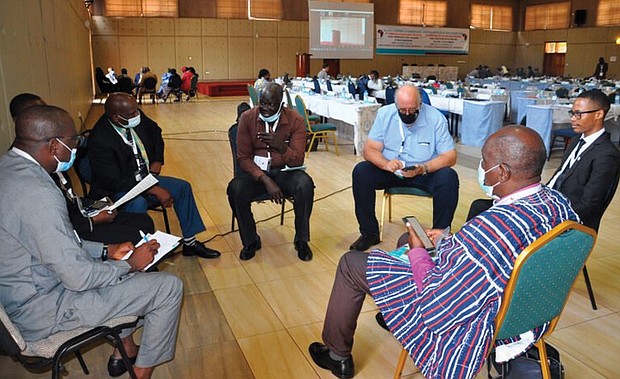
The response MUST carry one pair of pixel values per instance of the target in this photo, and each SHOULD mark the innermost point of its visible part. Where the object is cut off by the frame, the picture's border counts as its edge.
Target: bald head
(121, 104)
(519, 150)
(41, 123)
(407, 97)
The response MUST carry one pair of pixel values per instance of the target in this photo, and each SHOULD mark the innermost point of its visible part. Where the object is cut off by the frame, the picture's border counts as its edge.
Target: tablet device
(413, 221)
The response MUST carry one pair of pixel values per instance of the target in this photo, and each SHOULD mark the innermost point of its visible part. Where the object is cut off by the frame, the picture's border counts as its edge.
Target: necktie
(572, 159)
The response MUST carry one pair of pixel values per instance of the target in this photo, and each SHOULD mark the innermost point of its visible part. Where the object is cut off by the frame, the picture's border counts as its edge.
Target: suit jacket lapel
(594, 144)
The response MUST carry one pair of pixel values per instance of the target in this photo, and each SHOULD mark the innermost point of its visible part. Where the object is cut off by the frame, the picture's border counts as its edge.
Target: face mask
(64, 166)
(273, 117)
(131, 122)
(408, 119)
(481, 179)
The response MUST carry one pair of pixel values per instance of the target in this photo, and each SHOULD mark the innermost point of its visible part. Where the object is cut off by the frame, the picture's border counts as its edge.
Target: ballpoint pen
(145, 237)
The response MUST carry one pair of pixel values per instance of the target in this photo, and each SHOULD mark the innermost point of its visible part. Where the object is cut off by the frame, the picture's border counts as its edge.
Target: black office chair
(52, 350)
(125, 85)
(149, 88)
(85, 174)
(232, 138)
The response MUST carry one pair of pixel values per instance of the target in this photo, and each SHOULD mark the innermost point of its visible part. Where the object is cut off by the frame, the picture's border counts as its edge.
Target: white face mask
(482, 178)
(131, 122)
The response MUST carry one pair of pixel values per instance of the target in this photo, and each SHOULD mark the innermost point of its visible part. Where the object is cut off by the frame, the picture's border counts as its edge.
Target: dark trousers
(125, 227)
(297, 185)
(345, 302)
(443, 184)
(478, 206)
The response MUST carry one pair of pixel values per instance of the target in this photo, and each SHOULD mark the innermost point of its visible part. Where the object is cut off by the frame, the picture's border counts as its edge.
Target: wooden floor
(255, 319)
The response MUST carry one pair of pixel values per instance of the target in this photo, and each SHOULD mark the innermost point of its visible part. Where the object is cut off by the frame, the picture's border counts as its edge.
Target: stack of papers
(167, 243)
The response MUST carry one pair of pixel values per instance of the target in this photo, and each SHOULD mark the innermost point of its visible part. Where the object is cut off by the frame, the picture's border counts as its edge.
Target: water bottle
(365, 96)
(617, 99)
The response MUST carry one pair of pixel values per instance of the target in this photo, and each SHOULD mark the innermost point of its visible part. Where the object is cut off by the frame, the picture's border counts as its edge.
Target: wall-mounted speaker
(580, 16)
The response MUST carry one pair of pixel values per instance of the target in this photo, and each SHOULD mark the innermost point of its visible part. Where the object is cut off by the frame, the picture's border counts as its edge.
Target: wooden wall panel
(287, 50)
(215, 58)
(104, 26)
(132, 26)
(105, 52)
(240, 28)
(132, 53)
(304, 29)
(188, 26)
(289, 29)
(161, 54)
(266, 55)
(160, 27)
(214, 27)
(265, 29)
(239, 51)
(188, 53)
(588, 35)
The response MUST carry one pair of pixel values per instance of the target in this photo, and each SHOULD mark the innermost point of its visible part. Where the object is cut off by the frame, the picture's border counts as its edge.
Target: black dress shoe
(320, 355)
(200, 250)
(364, 242)
(248, 252)
(381, 321)
(303, 250)
(116, 366)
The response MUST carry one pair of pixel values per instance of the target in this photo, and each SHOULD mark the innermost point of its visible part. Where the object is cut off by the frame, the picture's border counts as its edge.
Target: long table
(355, 117)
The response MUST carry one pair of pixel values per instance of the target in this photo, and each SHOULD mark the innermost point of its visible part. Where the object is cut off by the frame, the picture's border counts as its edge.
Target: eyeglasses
(408, 110)
(577, 114)
(79, 139)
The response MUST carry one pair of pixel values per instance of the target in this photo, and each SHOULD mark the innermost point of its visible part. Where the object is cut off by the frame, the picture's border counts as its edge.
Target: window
(142, 8)
(608, 13)
(414, 12)
(547, 16)
(491, 17)
(555, 47)
(266, 9)
(232, 9)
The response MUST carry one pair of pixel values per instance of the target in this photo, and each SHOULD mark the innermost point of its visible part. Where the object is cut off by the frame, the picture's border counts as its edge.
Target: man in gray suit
(50, 280)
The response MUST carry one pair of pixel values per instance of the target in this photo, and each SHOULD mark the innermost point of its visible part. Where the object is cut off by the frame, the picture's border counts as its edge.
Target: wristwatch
(104, 253)
(425, 169)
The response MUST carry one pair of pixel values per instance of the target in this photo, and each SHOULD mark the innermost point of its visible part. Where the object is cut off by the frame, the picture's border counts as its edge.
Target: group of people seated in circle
(146, 81)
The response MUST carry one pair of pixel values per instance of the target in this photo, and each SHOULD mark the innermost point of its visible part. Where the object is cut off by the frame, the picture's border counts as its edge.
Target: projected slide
(341, 30)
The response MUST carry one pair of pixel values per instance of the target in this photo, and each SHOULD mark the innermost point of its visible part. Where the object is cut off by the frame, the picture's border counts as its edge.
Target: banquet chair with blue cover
(329, 85)
(389, 95)
(317, 86)
(539, 286)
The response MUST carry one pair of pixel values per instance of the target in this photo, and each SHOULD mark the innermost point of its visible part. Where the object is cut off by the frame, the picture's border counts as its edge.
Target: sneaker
(200, 250)
(364, 242)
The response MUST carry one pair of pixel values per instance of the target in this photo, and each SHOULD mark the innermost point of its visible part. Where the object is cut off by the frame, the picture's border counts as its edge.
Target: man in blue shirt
(408, 146)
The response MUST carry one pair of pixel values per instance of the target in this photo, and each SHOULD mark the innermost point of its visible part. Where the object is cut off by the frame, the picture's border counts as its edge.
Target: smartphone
(413, 221)
(94, 208)
(409, 168)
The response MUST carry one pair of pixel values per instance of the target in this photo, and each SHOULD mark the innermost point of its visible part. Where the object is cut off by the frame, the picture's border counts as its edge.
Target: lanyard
(402, 136)
(275, 126)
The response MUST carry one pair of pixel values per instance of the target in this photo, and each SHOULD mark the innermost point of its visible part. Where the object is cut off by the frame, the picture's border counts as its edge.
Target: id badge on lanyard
(264, 163)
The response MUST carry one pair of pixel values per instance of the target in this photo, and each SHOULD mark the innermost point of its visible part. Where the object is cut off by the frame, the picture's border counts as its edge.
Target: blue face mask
(273, 118)
(64, 166)
(482, 178)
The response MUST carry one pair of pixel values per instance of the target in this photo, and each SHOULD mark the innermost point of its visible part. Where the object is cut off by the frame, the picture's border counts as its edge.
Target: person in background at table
(123, 148)
(125, 83)
(165, 78)
(442, 311)
(408, 146)
(50, 280)
(520, 72)
(271, 137)
(146, 74)
(324, 73)
(264, 77)
(537, 73)
(530, 72)
(374, 83)
(601, 69)
(111, 75)
(186, 79)
(475, 72)
(174, 86)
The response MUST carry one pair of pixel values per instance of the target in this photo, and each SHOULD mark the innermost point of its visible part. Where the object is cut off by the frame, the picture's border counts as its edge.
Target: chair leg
(385, 195)
(544, 362)
(390, 209)
(80, 359)
(335, 143)
(232, 223)
(402, 359)
(586, 277)
(311, 143)
(166, 222)
(282, 212)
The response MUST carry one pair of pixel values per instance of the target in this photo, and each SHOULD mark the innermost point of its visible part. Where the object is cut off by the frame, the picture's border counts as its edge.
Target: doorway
(555, 59)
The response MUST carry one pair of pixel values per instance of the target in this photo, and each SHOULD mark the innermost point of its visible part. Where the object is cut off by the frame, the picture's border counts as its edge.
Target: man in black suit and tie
(590, 165)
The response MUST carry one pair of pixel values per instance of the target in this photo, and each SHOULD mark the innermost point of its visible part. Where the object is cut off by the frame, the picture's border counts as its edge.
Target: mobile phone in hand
(410, 168)
(415, 224)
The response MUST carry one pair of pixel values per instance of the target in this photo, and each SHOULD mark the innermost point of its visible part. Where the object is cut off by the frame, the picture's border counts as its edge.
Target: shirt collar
(24, 154)
(592, 137)
(519, 194)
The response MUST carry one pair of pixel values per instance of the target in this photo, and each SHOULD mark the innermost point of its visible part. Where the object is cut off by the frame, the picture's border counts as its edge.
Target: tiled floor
(255, 319)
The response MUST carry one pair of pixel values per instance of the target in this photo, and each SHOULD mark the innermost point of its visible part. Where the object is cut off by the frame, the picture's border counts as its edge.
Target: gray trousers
(156, 296)
(345, 302)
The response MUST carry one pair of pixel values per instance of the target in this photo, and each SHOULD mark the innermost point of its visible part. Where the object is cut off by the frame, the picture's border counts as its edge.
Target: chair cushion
(407, 191)
(323, 127)
(46, 348)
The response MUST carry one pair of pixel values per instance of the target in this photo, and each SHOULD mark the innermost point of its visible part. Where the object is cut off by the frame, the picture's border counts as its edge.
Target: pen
(145, 238)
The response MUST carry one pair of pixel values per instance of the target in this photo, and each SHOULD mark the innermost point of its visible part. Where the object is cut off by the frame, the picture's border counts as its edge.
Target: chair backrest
(253, 95)
(361, 88)
(288, 99)
(82, 164)
(317, 86)
(194, 83)
(541, 279)
(389, 94)
(150, 84)
(351, 88)
(11, 341)
(125, 84)
(425, 98)
(301, 108)
(232, 138)
(329, 85)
